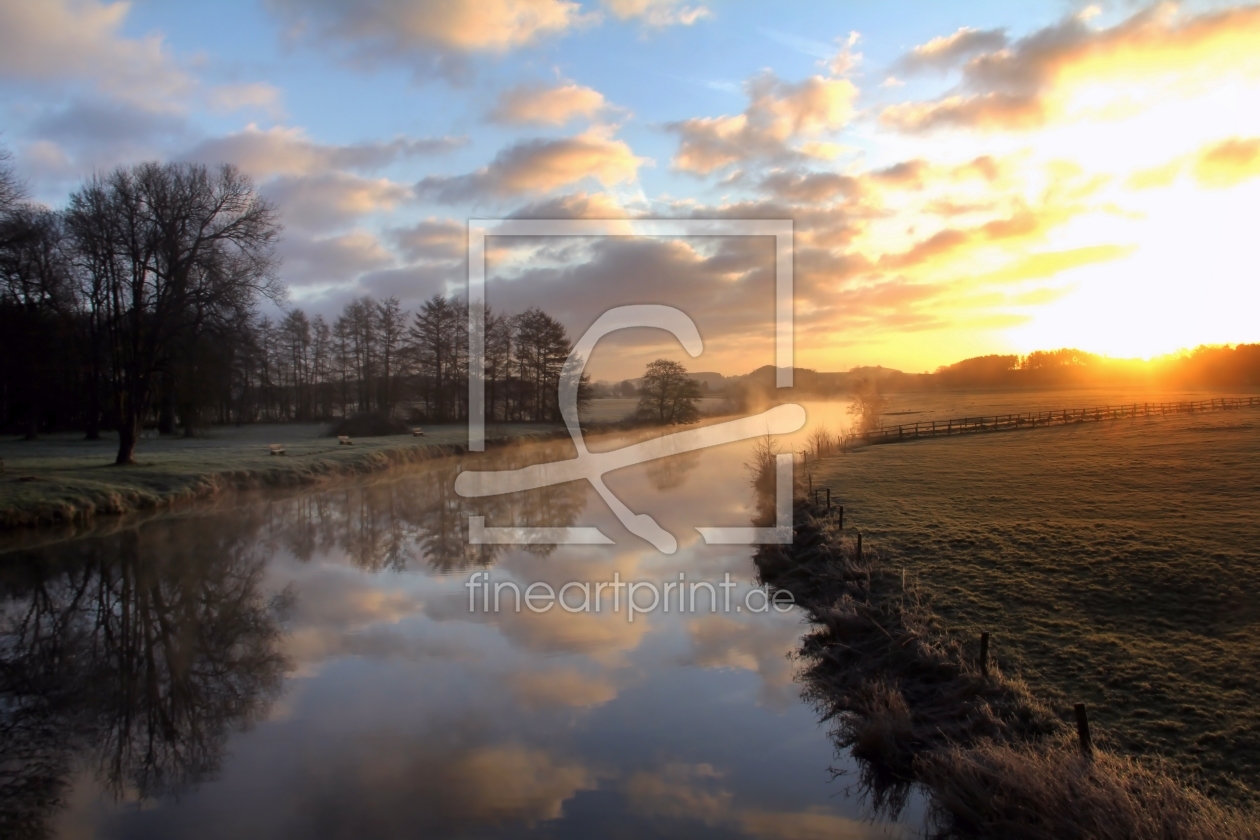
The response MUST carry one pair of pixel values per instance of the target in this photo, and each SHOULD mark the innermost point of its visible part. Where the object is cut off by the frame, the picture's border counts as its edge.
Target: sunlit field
(1114, 564)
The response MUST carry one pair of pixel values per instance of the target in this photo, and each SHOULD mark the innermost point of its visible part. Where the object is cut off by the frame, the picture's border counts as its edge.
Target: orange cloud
(1140, 60)
(1049, 263)
(539, 166)
(1228, 163)
(544, 105)
(403, 25)
(657, 13)
(777, 113)
(322, 202)
(944, 51)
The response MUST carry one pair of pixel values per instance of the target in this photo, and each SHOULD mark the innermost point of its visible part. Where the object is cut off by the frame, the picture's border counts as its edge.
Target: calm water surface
(309, 667)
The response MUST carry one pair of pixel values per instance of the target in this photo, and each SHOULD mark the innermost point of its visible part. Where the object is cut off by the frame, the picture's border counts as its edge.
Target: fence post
(1082, 732)
(828, 500)
(859, 547)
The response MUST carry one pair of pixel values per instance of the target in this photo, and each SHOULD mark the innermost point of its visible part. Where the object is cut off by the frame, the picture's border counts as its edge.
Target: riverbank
(63, 478)
(1114, 565)
(916, 705)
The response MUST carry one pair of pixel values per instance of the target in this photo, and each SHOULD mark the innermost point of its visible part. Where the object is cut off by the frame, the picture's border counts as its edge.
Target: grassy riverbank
(63, 478)
(912, 703)
(1113, 564)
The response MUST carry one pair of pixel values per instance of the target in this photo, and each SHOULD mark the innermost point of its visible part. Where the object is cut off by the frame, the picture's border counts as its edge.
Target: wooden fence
(1035, 419)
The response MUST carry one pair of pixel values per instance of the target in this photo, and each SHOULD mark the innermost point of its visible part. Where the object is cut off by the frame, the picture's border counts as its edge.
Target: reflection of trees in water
(135, 654)
(669, 473)
(384, 524)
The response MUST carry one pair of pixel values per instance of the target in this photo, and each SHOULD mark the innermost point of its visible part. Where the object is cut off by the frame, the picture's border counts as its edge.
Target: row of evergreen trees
(138, 304)
(376, 357)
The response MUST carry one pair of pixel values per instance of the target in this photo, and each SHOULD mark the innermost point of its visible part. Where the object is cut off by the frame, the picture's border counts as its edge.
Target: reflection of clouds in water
(513, 783)
(562, 687)
(755, 643)
(687, 791)
(696, 792)
(604, 637)
(390, 787)
(416, 717)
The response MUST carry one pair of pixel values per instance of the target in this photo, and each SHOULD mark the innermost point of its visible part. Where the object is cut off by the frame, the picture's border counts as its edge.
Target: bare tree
(12, 190)
(175, 246)
(36, 309)
(866, 405)
(391, 321)
(668, 395)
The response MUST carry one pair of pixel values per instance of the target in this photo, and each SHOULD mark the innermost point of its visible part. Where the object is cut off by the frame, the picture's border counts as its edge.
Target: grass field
(1115, 564)
(63, 477)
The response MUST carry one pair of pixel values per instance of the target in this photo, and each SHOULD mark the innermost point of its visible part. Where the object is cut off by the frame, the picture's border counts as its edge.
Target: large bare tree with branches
(173, 250)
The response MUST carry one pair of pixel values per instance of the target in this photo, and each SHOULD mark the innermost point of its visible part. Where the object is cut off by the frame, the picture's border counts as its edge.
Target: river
(318, 665)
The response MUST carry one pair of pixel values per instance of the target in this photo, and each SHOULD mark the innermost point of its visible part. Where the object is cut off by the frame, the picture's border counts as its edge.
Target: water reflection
(131, 660)
(136, 653)
(386, 525)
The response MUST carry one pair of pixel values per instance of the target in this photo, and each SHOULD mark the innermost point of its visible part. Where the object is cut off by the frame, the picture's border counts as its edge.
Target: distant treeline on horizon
(1216, 366)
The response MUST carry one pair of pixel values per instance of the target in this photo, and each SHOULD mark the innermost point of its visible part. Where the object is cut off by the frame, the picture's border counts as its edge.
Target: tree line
(140, 304)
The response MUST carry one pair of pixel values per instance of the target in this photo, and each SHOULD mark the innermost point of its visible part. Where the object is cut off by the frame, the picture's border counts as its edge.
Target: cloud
(846, 60)
(287, 151)
(657, 13)
(432, 239)
(88, 134)
(1139, 61)
(88, 124)
(311, 261)
(412, 284)
(810, 187)
(324, 202)
(80, 40)
(943, 52)
(778, 112)
(1022, 223)
(914, 174)
(547, 105)
(1228, 163)
(578, 205)
(540, 166)
(258, 96)
(430, 35)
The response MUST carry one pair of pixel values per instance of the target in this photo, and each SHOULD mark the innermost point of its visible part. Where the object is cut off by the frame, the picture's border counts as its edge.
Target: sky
(962, 178)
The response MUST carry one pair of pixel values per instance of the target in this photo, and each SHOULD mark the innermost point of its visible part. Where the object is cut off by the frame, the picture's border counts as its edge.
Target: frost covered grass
(1114, 564)
(62, 478)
